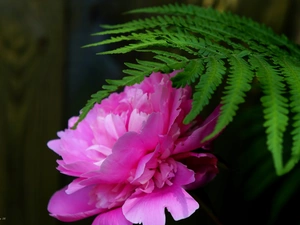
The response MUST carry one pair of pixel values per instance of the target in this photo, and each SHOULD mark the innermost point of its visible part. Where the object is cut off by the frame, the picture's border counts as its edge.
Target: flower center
(110, 195)
(164, 173)
(156, 174)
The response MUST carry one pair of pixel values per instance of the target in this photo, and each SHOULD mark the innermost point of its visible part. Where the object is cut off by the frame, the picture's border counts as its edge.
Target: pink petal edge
(71, 207)
(112, 217)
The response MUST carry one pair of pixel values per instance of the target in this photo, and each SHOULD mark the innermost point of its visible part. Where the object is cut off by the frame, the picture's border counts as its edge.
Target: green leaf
(97, 97)
(166, 54)
(275, 107)
(191, 72)
(132, 47)
(207, 85)
(291, 71)
(239, 79)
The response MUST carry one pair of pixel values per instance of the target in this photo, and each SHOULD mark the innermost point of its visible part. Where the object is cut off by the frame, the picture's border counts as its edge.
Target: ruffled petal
(71, 207)
(75, 186)
(76, 169)
(126, 153)
(137, 120)
(141, 168)
(203, 164)
(193, 141)
(114, 125)
(153, 128)
(149, 209)
(112, 217)
(184, 175)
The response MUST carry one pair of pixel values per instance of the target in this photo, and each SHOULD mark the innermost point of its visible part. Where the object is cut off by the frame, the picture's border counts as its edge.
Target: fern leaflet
(207, 85)
(191, 72)
(239, 80)
(291, 71)
(275, 105)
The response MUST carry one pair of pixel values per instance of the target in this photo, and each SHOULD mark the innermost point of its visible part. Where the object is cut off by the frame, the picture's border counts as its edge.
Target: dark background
(46, 77)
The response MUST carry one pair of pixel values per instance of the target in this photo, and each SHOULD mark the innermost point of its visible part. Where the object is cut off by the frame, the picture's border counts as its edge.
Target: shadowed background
(46, 77)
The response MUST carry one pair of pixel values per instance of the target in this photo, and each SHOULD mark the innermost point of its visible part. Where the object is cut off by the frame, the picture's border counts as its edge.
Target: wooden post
(31, 76)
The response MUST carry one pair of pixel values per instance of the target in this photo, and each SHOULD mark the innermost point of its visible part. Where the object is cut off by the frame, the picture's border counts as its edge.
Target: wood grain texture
(31, 81)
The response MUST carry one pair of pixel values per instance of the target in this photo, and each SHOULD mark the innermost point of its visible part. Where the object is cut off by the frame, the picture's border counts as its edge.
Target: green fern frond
(193, 70)
(97, 97)
(241, 28)
(291, 71)
(208, 46)
(135, 25)
(207, 85)
(276, 107)
(239, 79)
(167, 54)
(134, 47)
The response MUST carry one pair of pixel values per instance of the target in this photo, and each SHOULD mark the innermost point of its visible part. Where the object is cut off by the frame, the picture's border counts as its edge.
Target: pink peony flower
(132, 157)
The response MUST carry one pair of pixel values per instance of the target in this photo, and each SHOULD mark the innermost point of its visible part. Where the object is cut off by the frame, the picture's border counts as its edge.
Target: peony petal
(160, 99)
(193, 141)
(209, 125)
(137, 120)
(149, 83)
(71, 149)
(141, 168)
(126, 153)
(76, 168)
(55, 146)
(153, 128)
(138, 100)
(75, 186)
(174, 106)
(149, 209)
(204, 165)
(114, 125)
(98, 153)
(112, 217)
(113, 103)
(184, 175)
(72, 207)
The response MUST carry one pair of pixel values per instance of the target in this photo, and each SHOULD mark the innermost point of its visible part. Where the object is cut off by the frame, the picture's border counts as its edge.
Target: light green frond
(132, 47)
(133, 26)
(143, 68)
(97, 97)
(291, 71)
(191, 73)
(130, 37)
(241, 28)
(112, 40)
(238, 83)
(165, 59)
(275, 106)
(166, 54)
(207, 85)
